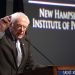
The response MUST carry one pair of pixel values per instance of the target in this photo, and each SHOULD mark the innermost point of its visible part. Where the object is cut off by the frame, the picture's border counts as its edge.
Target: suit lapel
(13, 50)
(11, 43)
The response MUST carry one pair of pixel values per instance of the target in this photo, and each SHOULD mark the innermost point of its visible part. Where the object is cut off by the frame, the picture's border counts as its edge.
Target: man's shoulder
(5, 36)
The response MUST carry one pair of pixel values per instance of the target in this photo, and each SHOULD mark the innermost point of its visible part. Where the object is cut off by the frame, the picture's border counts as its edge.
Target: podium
(64, 70)
(52, 70)
(39, 71)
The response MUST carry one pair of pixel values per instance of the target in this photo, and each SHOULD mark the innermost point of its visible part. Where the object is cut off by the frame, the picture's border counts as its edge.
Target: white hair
(17, 15)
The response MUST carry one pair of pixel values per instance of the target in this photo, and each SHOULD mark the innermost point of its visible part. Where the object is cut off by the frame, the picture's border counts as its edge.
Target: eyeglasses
(19, 27)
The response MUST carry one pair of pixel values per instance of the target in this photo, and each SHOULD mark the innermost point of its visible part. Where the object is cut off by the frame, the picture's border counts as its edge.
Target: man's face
(19, 28)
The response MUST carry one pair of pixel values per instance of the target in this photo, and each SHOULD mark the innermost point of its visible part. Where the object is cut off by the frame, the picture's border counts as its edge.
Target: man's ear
(11, 26)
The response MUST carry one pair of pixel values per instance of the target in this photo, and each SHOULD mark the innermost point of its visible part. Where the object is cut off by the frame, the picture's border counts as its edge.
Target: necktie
(19, 53)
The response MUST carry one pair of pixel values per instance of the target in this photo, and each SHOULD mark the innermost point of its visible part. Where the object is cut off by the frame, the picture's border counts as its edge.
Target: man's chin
(20, 37)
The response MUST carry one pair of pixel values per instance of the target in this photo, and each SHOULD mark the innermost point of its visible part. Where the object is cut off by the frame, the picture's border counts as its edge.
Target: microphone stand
(40, 52)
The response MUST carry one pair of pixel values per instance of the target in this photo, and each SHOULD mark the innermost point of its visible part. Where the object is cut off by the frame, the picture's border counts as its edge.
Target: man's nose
(22, 28)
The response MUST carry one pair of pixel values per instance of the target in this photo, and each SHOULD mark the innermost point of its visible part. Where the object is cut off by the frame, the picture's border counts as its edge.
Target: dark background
(56, 47)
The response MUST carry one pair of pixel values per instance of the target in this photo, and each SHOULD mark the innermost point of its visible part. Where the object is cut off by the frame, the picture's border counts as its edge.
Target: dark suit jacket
(8, 64)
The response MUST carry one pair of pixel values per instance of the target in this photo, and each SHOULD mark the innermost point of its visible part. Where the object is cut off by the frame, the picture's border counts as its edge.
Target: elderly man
(15, 55)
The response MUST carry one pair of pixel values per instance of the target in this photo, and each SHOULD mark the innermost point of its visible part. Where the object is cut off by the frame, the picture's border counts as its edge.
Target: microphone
(39, 51)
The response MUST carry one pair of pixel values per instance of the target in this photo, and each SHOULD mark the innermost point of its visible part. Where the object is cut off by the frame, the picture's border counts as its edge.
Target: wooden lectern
(40, 71)
(52, 70)
(64, 70)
